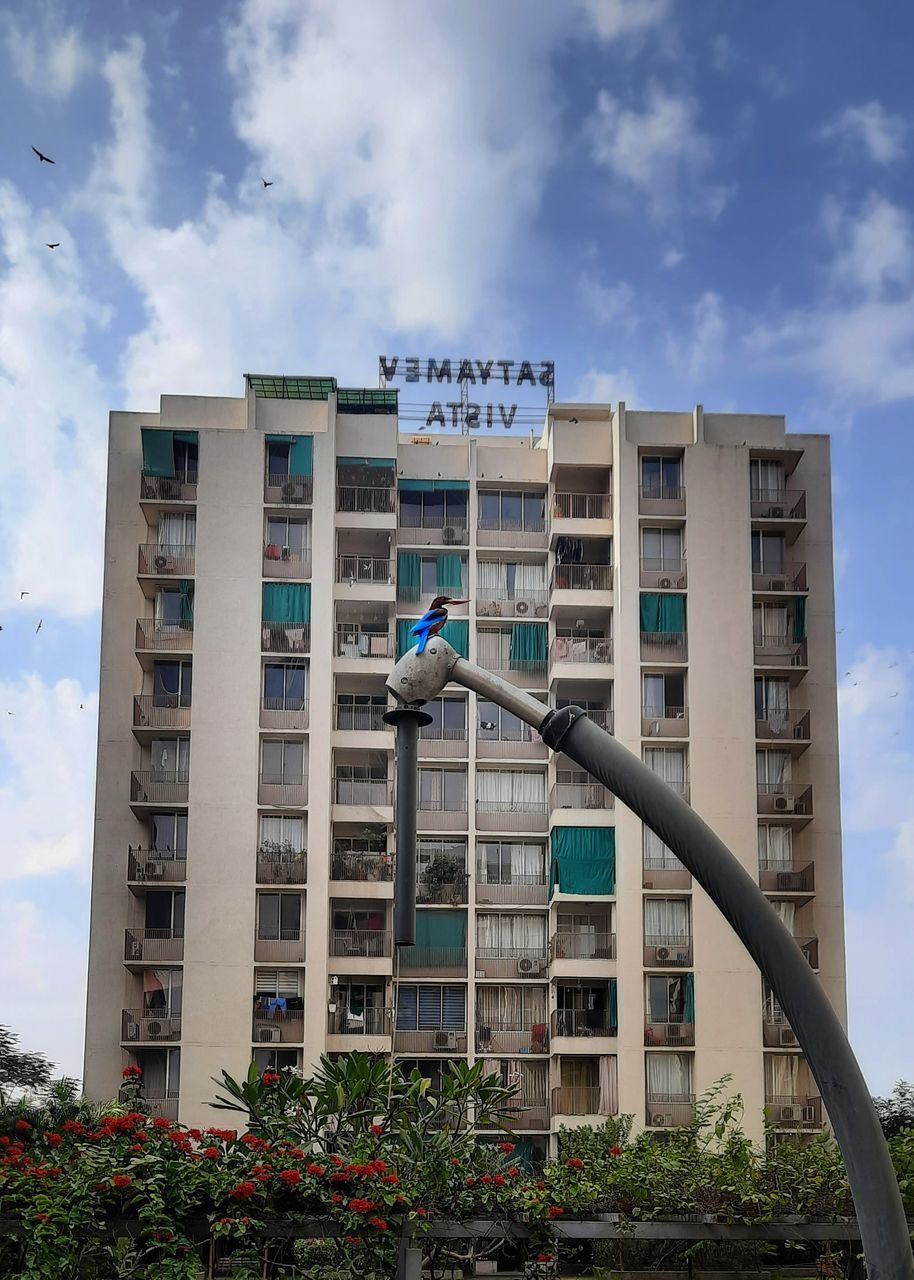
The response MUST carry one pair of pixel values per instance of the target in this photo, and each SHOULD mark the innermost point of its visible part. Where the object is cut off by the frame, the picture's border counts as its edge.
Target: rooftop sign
(467, 413)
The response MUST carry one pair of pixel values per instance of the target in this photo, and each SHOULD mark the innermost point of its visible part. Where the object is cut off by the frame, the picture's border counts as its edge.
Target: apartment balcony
(286, 562)
(363, 944)
(278, 1026)
(785, 799)
(790, 726)
(351, 717)
(153, 946)
(661, 500)
(779, 651)
(518, 604)
(810, 949)
(581, 506)
(166, 1107)
(789, 579)
(166, 560)
(656, 873)
(287, 491)
(511, 1038)
(784, 1111)
(568, 944)
(370, 1022)
(581, 795)
(522, 1117)
(664, 722)
(283, 713)
(508, 815)
(155, 866)
(669, 1110)
(363, 868)
(358, 645)
(161, 711)
(505, 533)
(282, 867)
(576, 1100)
(436, 817)
(673, 1033)
(524, 744)
(280, 794)
(786, 877)
(778, 506)
(154, 1026)
(664, 647)
(432, 962)
(285, 637)
(777, 1033)
(159, 786)
(580, 577)
(511, 962)
(586, 651)
(433, 531)
(279, 946)
(667, 953)
(663, 573)
(159, 636)
(439, 1040)
(362, 793)
(437, 743)
(168, 489)
(525, 673)
(583, 1024)
(358, 500)
(365, 571)
(518, 891)
(444, 882)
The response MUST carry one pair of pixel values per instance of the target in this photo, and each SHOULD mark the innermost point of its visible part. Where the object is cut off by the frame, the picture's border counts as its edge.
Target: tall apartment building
(670, 572)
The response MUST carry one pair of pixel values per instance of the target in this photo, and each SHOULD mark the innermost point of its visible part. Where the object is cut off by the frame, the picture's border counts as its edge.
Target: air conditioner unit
(790, 881)
(681, 580)
(153, 870)
(268, 1035)
(662, 1119)
(784, 804)
(450, 534)
(809, 1115)
(786, 1113)
(445, 1039)
(777, 584)
(529, 967)
(786, 1037)
(541, 610)
(664, 582)
(662, 953)
(161, 563)
(156, 1030)
(521, 606)
(775, 513)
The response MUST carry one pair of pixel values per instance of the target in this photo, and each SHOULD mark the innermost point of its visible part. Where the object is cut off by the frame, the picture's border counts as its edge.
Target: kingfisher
(432, 620)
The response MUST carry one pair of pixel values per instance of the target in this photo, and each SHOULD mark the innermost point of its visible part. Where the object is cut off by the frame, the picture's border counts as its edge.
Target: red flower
(555, 1211)
(506, 1147)
(54, 1139)
(224, 1135)
(122, 1181)
(454, 1160)
(353, 1239)
(291, 1177)
(376, 1130)
(23, 1126)
(486, 1179)
(615, 1151)
(341, 1175)
(336, 1198)
(379, 1223)
(574, 1163)
(317, 1170)
(131, 1073)
(545, 1257)
(392, 1179)
(360, 1206)
(499, 1180)
(471, 1182)
(161, 1123)
(256, 1144)
(42, 1217)
(514, 1172)
(541, 1186)
(135, 1147)
(270, 1077)
(243, 1191)
(195, 1134)
(422, 1213)
(212, 1153)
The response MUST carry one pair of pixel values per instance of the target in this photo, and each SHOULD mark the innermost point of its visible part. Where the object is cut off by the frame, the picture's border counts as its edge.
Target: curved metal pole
(880, 1213)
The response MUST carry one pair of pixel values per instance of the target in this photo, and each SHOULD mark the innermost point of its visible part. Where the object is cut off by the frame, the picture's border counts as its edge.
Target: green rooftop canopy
(269, 387)
(356, 400)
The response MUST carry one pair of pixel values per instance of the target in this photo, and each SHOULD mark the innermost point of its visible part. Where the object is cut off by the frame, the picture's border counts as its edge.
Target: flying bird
(42, 157)
(892, 664)
(53, 246)
(24, 593)
(895, 694)
(81, 707)
(432, 620)
(38, 628)
(265, 183)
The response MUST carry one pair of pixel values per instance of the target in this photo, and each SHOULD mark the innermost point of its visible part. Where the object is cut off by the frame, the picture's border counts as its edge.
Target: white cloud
(621, 19)
(47, 56)
(702, 347)
(874, 247)
(607, 302)
(871, 129)
(722, 53)
(599, 386)
(47, 748)
(672, 258)
(659, 151)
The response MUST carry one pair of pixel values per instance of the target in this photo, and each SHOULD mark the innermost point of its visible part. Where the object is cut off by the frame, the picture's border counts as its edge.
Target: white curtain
(771, 621)
(511, 932)
(666, 918)
(609, 1101)
(667, 763)
(776, 695)
(530, 1078)
(527, 860)
(781, 1075)
(767, 479)
(529, 577)
(668, 1074)
(658, 854)
(510, 1006)
(517, 788)
(787, 912)
(177, 529)
(494, 649)
(492, 579)
(775, 846)
(275, 829)
(772, 767)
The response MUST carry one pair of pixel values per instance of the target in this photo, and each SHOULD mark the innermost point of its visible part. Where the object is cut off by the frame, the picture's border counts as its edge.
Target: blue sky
(677, 202)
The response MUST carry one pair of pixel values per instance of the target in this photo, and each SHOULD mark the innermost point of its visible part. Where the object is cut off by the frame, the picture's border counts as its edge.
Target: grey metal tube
(880, 1213)
(406, 720)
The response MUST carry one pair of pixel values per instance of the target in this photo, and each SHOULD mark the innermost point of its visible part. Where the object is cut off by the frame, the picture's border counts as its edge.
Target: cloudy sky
(678, 202)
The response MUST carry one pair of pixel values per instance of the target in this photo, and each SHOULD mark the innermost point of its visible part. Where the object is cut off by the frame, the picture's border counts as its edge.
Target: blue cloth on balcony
(158, 452)
(688, 987)
(529, 641)
(662, 613)
(456, 633)
(287, 602)
(583, 860)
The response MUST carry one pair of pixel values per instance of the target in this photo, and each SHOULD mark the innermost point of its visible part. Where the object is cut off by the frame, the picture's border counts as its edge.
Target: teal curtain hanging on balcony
(409, 575)
(450, 575)
(287, 602)
(158, 452)
(612, 1006)
(662, 613)
(441, 929)
(301, 453)
(187, 604)
(435, 486)
(186, 437)
(529, 642)
(456, 633)
(583, 860)
(386, 464)
(688, 987)
(799, 619)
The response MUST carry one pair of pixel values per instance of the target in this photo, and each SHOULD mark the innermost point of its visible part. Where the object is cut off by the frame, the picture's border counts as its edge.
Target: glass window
(767, 552)
(168, 606)
(429, 576)
(534, 511)
(169, 833)
(279, 916)
(165, 910)
(185, 455)
(283, 761)
(489, 509)
(661, 476)
(512, 510)
(171, 683)
(282, 831)
(169, 758)
(278, 455)
(275, 1060)
(162, 989)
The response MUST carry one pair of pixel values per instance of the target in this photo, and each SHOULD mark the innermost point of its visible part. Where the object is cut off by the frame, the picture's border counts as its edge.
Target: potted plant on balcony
(287, 860)
(440, 881)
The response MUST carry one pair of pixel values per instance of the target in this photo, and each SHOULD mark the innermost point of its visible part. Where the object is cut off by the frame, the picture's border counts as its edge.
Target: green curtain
(612, 1007)
(583, 860)
(450, 575)
(799, 618)
(663, 613)
(433, 486)
(388, 464)
(529, 642)
(158, 452)
(287, 602)
(688, 1011)
(301, 456)
(417, 486)
(187, 437)
(441, 929)
(456, 633)
(409, 575)
(187, 604)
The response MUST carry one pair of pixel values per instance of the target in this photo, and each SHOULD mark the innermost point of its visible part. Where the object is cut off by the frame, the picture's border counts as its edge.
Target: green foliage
(896, 1113)
(18, 1070)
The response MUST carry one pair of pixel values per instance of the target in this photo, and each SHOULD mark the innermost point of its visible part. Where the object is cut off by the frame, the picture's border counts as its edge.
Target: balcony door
(172, 684)
(279, 917)
(169, 758)
(169, 834)
(283, 761)
(165, 911)
(767, 552)
(162, 990)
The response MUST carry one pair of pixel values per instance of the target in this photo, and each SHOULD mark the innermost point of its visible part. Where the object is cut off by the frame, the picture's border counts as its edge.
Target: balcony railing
(498, 602)
(285, 637)
(518, 890)
(786, 877)
(439, 817)
(370, 944)
(576, 1100)
(161, 711)
(281, 867)
(443, 885)
(777, 1033)
(152, 866)
(354, 642)
(567, 944)
(512, 1038)
(293, 491)
(587, 649)
(283, 713)
(509, 815)
(582, 577)
(786, 1111)
(278, 1026)
(680, 785)
(370, 1022)
(790, 577)
(582, 506)
(664, 722)
(661, 952)
(521, 1116)
(581, 795)
(672, 1031)
(784, 726)
(176, 488)
(279, 946)
(378, 570)
(778, 504)
(786, 799)
(442, 1040)
(419, 962)
(365, 718)
(522, 745)
(274, 790)
(661, 500)
(658, 874)
(664, 646)
(167, 559)
(367, 867)
(436, 743)
(149, 946)
(430, 530)
(358, 500)
(150, 1024)
(286, 562)
(669, 1110)
(773, 650)
(169, 637)
(166, 1107)
(376, 793)
(664, 573)
(506, 533)
(511, 962)
(585, 1023)
(159, 786)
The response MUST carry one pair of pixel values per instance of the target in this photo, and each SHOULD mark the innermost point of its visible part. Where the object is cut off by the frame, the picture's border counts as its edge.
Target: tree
(896, 1113)
(18, 1070)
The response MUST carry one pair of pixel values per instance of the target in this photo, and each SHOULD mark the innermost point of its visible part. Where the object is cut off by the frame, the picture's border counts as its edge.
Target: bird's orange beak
(458, 602)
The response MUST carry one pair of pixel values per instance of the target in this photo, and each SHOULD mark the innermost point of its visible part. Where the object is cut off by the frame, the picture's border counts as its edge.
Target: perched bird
(572, 420)
(42, 157)
(265, 183)
(38, 628)
(432, 620)
(53, 246)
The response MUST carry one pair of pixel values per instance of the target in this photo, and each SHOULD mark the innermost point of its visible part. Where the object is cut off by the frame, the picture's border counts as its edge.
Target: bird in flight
(38, 628)
(22, 594)
(42, 157)
(895, 694)
(54, 246)
(432, 620)
(265, 183)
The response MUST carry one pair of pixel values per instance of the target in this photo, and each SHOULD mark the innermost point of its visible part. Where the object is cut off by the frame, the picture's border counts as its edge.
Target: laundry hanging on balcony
(662, 613)
(287, 602)
(159, 449)
(301, 453)
(688, 1003)
(569, 551)
(456, 633)
(187, 600)
(583, 860)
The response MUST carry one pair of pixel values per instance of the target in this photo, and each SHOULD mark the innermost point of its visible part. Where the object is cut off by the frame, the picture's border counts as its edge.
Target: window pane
(295, 687)
(512, 510)
(268, 915)
(455, 507)
(534, 511)
(294, 761)
(455, 714)
(455, 789)
(290, 913)
(278, 459)
(165, 682)
(489, 509)
(272, 761)
(429, 577)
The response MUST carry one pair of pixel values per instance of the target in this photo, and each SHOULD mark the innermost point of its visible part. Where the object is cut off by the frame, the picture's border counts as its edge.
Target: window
(370, 842)
(772, 701)
(661, 476)
(168, 607)
(663, 696)
(185, 455)
(584, 999)
(511, 1008)
(432, 510)
(511, 510)
(162, 989)
(349, 920)
(767, 552)
(669, 763)
(278, 455)
(500, 934)
(449, 719)
(177, 529)
(661, 549)
(282, 761)
(431, 1008)
(766, 480)
(165, 911)
(448, 855)
(775, 847)
(279, 917)
(510, 862)
(590, 705)
(669, 1077)
(171, 684)
(275, 1060)
(169, 759)
(362, 711)
(161, 1072)
(360, 783)
(770, 624)
(285, 686)
(665, 998)
(281, 832)
(667, 921)
(510, 580)
(169, 833)
(511, 791)
(498, 725)
(443, 789)
(772, 770)
(657, 855)
(286, 538)
(276, 984)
